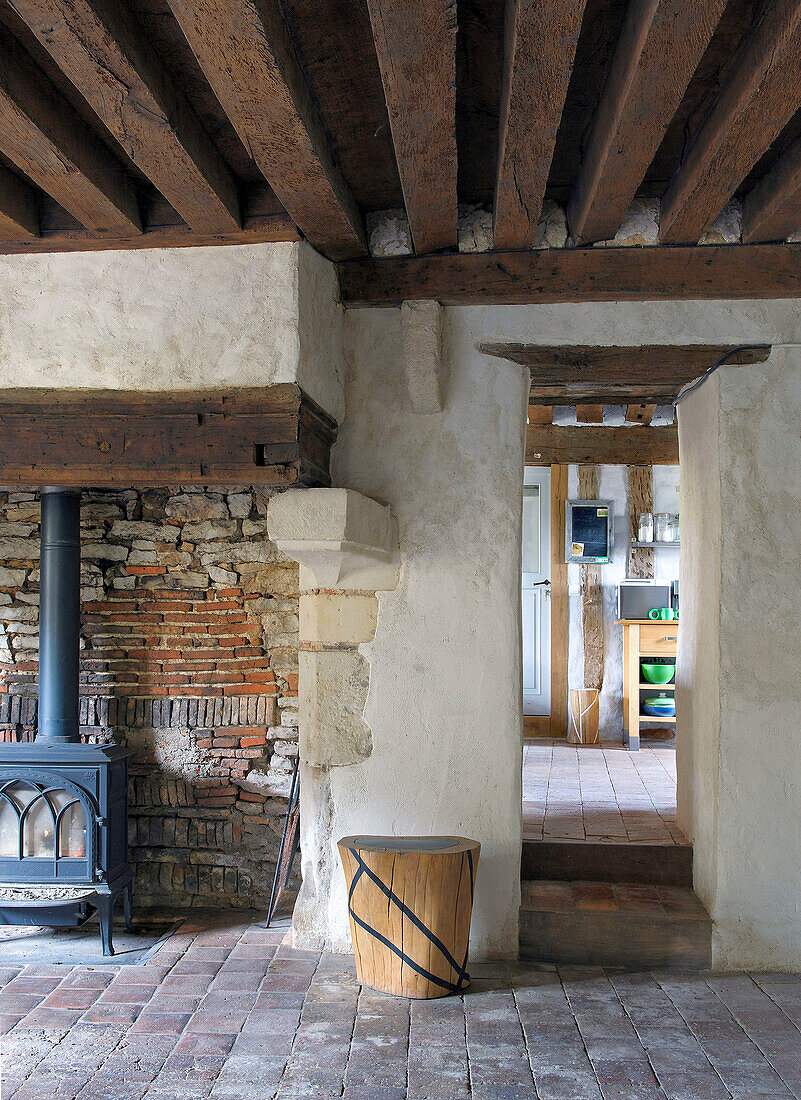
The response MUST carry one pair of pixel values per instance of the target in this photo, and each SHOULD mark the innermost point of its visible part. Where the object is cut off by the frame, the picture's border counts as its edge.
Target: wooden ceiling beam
(577, 275)
(416, 48)
(539, 47)
(753, 107)
(640, 414)
(44, 137)
(246, 53)
(659, 48)
(772, 209)
(98, 45)
(19, 209)
(629, 446)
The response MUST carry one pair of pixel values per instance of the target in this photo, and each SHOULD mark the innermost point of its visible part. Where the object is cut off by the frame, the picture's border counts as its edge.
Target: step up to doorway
(614, 924)
(599, 861)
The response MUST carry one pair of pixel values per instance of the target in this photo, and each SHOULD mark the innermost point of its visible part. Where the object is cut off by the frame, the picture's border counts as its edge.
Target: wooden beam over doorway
(628, 446)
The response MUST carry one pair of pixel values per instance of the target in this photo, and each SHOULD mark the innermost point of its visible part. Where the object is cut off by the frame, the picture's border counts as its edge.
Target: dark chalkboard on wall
(588, 531)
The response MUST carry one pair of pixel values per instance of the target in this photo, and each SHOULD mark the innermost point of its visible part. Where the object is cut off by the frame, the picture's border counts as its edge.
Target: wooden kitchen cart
(642, 640)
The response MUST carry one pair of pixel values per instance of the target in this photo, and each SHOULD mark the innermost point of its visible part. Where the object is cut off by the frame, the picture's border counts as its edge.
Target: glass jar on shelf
(662, 527)
(645, 527)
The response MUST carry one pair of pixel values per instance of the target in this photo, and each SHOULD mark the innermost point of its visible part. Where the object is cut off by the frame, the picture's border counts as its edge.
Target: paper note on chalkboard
(577, 550)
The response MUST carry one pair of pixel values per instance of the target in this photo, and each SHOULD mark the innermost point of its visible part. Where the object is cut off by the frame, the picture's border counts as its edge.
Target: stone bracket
(342, 539)
(421, 329)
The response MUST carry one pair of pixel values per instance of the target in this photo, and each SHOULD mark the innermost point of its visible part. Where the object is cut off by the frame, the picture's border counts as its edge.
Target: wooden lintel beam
(246, 53)
(611, 395)
(539, 47)
(416, 48)
(44, 137)
(274, 436)
(634, 446)
(753, 107)
(98, 45)
(590, 414)
(621, 364)
(577, 275)
(659, 48)
(640, 414)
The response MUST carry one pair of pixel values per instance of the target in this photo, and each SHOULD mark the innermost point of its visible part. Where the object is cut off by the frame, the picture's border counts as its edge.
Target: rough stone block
(333, 619)
(333, 692)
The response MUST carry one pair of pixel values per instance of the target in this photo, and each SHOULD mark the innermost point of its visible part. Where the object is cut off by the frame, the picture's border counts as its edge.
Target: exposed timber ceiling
(155, 123)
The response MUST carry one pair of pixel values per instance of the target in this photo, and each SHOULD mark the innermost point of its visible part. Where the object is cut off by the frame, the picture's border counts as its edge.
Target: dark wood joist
(19, 208)
(246, 53)
(660, 45)
(99, 46)
(577, 275)
(772, 209)
(47, 140)
(272, 436)
(554, 443)
(753, 107)
(539, 47)
(416, 48)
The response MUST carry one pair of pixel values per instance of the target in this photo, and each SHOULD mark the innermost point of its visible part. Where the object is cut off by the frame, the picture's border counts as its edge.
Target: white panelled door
(536, 590)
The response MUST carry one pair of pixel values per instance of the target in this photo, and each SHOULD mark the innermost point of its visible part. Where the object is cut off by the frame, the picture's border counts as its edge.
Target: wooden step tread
(612, 897)
(604, 861)
(614, 924)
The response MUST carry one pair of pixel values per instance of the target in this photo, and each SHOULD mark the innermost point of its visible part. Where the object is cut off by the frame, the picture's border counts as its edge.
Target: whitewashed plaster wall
(444, 702)
(743, 435)
(182, 318)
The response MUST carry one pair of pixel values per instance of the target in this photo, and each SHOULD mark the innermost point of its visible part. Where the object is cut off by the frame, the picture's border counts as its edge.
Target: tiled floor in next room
(224, 1011)
(599, 792)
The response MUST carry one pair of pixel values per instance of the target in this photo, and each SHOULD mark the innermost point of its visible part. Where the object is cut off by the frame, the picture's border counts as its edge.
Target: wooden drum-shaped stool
(410, 900)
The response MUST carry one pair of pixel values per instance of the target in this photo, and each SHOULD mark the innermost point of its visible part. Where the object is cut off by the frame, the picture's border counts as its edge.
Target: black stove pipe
(59, 616)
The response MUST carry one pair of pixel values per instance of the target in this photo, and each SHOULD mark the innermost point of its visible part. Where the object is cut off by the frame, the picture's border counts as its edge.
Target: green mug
(663, 613)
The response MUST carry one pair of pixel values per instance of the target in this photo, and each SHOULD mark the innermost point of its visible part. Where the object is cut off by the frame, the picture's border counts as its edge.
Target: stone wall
(189, 657)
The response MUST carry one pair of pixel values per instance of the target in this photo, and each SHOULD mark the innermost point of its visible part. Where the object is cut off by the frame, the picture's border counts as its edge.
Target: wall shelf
(654, 545)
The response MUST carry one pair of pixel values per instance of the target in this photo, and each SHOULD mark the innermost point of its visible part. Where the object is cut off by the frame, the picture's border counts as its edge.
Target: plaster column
(738, 684)
(347, 549)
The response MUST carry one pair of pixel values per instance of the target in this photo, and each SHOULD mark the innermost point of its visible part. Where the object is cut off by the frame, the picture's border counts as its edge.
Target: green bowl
(658, 674)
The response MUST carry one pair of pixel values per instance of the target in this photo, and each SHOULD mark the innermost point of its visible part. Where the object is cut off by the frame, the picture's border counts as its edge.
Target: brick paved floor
(225, 1011)
(599, 792)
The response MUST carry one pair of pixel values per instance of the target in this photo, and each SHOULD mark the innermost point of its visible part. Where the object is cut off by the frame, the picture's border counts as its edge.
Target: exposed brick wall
(189, 657)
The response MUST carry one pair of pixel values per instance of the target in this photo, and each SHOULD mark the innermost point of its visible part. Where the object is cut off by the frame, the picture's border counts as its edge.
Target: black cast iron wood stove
(63, 804)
